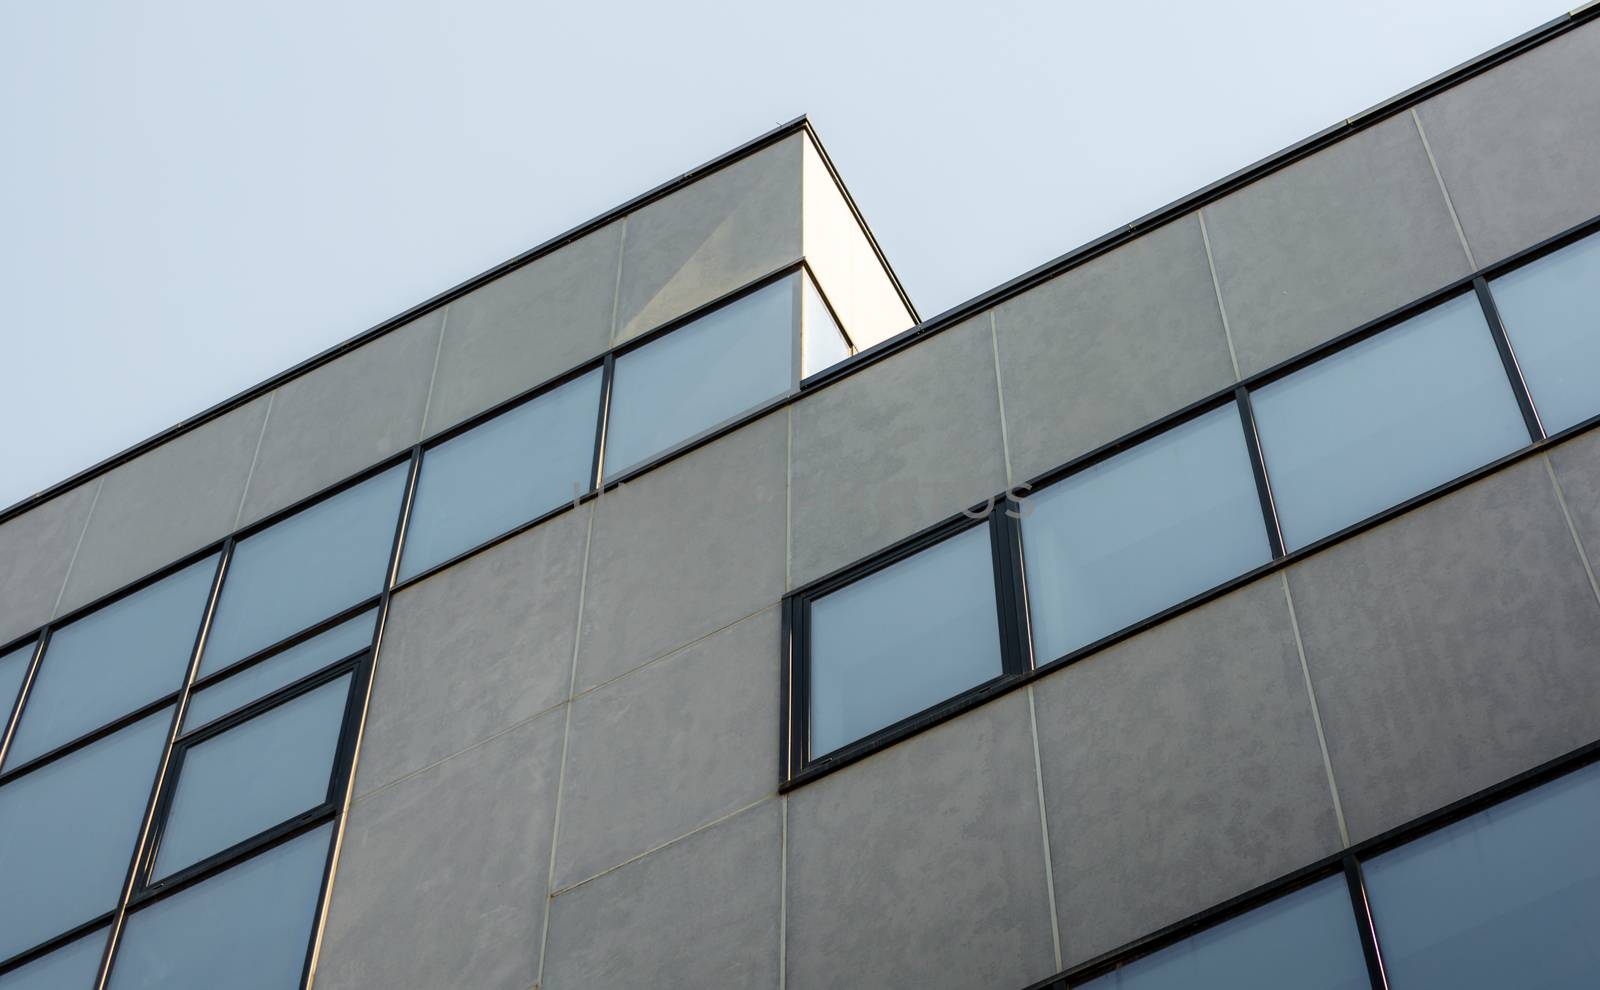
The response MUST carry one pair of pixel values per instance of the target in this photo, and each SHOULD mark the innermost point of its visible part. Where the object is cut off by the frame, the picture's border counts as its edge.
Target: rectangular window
(67, 831)
(1551, 312)
(1306, 939)
(318, 562)
(1386, 419)
(902, 639)
(113, 661)
(701, 375)
(1507, 898)
(280, 670)
(502, 473)
(1141, 531)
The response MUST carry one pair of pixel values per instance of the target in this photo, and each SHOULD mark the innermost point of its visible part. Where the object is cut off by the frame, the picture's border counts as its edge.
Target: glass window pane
(1507, 898)
(67, 831)
(1306, 939)
(13, 670)
(261, 679)
(822, 345)
(502, 473)
(112, 661)
(903, 639)
(1140, 532)
(697, 376)
(316, 562)
(253, 776)
(246, 928)
(71, 967)
(1388, 418)
(1551, 309)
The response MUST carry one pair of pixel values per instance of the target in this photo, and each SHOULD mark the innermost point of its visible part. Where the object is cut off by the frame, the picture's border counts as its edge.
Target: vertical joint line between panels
(1316, 711)
(1044, 829)
(72, 561)
(1216, 288)
(255, 458)
(1449, 203)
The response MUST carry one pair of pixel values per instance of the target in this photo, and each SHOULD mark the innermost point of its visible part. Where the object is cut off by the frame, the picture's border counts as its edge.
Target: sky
(196, 195)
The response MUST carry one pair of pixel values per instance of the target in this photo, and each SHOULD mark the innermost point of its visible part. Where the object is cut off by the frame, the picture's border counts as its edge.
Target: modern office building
(672, 606)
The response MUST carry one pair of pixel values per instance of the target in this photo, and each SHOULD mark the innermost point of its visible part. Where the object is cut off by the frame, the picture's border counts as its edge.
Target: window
(1306, 939)
(250, 777)
(1507, 898)
(58, 877)
(502, 473)
(280, 670)
(902, 639)
(822, 343)
(13, 671)
(113, 661)
(246, 928)
(1140, 532)
(1551, 311)
(1383, 420)
(698, 376)
(71, 967)
(316, 563)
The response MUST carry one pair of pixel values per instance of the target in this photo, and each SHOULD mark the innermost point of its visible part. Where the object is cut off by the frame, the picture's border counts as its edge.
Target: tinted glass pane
(261, 679)
(112, 661)
(71, 967)
(67, 831)
(307, 567)
(247, 928)
(498, 475)
(1389, 418)
(901, 640)
(822, 345)
(1140, 532)
(1551, 310)
(1306, 940)
(253, 776)
(13, 669)
(700, 375)
(1507, 898)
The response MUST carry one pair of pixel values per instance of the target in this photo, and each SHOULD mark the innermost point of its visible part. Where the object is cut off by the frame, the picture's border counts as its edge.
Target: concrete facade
(569, 771)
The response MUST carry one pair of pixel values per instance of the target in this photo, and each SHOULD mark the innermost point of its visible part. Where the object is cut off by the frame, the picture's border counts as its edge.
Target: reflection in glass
(1141, 531)
(1306, 939)
(246, 928)
(502, 473)
(1386, 419)
(261, 679)
(700, 375)
(113, 661)
(317, 562)
(67, 831)
(1551, 311)
(253, 776)
(822, 345)
(71, 967)
(1507, 898)
(903, 639)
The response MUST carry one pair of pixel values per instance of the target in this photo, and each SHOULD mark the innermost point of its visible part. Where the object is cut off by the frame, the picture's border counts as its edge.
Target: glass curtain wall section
(1551, 311)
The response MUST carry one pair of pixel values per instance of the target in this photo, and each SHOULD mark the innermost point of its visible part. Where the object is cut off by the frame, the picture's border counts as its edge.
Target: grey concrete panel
(474, 650)
(1109, 347)
(894, 448)
(1451, 648)
(923, 866)
(669, 747)
(686, 549)
(441, 880)
(1180, 768)
(702, 912)
(1519, 146)
(35, 551)
(526, 327)
(344, 417)
(1331, 242)
(166, 503)
(710, 238)
(1577, 467)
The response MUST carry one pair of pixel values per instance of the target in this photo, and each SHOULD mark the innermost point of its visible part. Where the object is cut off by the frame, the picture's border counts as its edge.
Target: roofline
(778, 134)
(923, 328)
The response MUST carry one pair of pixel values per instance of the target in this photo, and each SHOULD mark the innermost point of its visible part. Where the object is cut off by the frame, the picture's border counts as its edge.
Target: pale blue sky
(195, 195)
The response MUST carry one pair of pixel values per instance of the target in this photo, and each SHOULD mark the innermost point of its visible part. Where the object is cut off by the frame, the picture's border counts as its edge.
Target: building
(672, 606)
